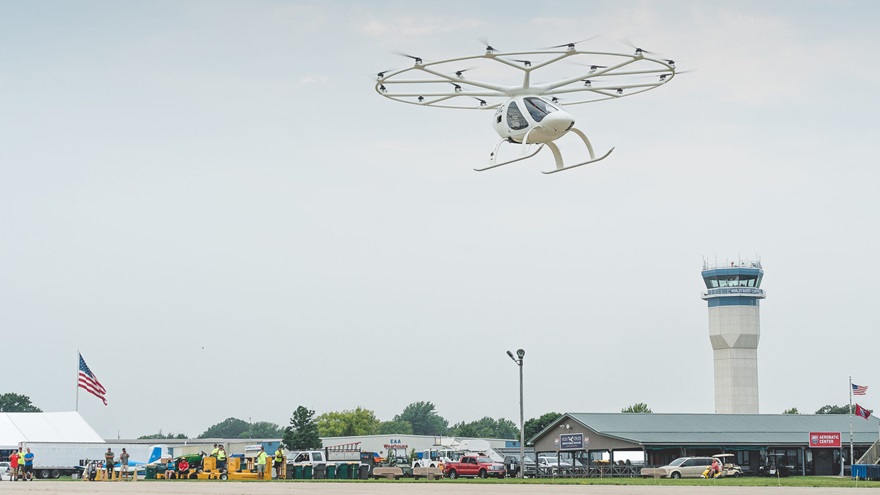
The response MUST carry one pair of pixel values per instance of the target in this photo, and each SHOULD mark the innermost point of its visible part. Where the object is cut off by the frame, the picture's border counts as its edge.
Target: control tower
(733, 291)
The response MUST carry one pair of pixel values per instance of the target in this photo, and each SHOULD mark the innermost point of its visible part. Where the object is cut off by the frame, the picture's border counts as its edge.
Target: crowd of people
(21, 465)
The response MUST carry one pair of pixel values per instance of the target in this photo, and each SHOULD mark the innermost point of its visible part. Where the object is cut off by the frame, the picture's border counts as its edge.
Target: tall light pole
(522, 433)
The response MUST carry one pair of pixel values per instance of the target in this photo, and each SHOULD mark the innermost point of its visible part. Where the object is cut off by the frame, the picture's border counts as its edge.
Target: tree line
(419, 418)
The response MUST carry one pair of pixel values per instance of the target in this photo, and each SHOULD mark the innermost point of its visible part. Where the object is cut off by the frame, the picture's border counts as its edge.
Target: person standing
(108, 463)
(13, 465)
(279, 461)
(214, 452)
(28, 465)
(221, 458)
(123, 463)
(261, 463)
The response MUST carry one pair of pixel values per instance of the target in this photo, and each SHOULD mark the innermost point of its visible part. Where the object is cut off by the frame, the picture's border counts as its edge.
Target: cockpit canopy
(538, 108)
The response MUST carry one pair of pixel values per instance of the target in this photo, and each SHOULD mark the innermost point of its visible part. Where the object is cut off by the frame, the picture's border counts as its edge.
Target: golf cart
(774, 465)
(729, 467)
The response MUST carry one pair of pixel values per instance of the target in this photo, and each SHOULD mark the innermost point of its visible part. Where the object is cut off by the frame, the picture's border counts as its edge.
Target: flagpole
(850, 428)
(77, 380)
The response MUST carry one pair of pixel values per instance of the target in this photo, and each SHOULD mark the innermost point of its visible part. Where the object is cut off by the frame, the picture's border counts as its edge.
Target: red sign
(825, 439)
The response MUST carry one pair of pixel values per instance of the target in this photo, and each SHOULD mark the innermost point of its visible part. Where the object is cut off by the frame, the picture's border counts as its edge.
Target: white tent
(44, 427)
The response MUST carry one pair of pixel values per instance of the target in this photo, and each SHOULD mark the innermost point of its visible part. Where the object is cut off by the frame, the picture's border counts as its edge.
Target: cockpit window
(515, 118)
(538, 108)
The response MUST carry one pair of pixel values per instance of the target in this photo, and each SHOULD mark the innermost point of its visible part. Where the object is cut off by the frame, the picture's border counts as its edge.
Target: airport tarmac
(427, 488)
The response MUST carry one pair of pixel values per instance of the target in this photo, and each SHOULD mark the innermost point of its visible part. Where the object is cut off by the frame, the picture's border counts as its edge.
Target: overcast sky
(209, 200)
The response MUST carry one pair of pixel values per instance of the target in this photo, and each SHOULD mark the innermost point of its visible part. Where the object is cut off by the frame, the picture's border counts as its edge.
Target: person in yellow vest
(221, 458)
(214, 452)
(279, 461)
(261, 463)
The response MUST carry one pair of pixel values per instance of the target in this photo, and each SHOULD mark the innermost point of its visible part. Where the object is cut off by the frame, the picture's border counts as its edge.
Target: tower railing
(732, 264)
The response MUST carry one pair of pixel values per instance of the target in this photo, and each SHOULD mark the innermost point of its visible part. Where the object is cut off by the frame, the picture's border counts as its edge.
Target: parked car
(552, 461)
(5, 471)
(683, 467)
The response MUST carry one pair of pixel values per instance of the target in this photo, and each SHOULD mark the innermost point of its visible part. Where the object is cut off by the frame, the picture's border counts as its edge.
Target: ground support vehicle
(345, 461)
(471, 465)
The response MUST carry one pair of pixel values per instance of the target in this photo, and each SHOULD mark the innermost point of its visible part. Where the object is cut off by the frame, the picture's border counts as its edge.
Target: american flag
(859, 390)
(89, 382)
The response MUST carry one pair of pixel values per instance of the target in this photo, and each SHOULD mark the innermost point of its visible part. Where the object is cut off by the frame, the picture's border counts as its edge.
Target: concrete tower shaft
(733, 294)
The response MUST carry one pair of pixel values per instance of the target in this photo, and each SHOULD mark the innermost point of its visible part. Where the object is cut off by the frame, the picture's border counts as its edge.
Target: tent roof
(44, 427)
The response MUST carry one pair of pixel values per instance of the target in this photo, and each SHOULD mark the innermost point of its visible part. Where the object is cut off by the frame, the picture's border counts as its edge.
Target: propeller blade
(482, 101)
(527, 63)
(417, 59)
(570, 46)
(489, 48)
(639, 51)
(591, 66)
(459, 73)
(381, 74)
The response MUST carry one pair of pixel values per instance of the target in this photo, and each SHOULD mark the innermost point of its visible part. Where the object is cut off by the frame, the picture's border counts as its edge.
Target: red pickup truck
(471, 465)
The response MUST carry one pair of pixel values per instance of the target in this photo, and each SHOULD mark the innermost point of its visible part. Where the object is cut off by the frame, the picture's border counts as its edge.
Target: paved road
(426, 488)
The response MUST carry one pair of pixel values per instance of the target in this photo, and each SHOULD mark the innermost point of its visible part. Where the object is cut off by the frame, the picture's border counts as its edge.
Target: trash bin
(320, 471)
(342, 472)
(150, 472)
(307, 472)
(298, 473)
(331, 472)
(288, 473)
(364, 472)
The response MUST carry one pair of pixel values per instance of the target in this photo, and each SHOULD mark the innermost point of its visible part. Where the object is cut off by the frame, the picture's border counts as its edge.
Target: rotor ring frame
(601, 90)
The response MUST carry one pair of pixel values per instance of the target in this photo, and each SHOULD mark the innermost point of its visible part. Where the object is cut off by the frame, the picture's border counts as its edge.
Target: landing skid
(560, 165)
(494, 155)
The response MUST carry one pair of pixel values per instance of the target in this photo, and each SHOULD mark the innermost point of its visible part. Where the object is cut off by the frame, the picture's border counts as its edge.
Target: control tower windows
(738, 280)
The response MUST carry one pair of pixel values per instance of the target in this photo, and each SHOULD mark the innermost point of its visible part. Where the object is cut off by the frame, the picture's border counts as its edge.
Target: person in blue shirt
(29, 465)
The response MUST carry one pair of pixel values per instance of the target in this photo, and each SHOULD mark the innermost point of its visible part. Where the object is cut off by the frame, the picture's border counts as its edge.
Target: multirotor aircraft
(528, 114)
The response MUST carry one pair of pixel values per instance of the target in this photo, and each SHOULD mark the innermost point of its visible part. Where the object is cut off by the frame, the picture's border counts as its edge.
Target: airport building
(807, 444)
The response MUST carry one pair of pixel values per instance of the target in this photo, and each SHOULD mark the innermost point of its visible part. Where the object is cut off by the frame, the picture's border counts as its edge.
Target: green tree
(793, 410)
(395, 428)
(423, 418)
(534, 426)
(828, 409)
(11, 402)
(486, 428)
(640, 408)
(348, 423)
(163, 436)
(228, 428)
(262, 429)
(302, 433)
